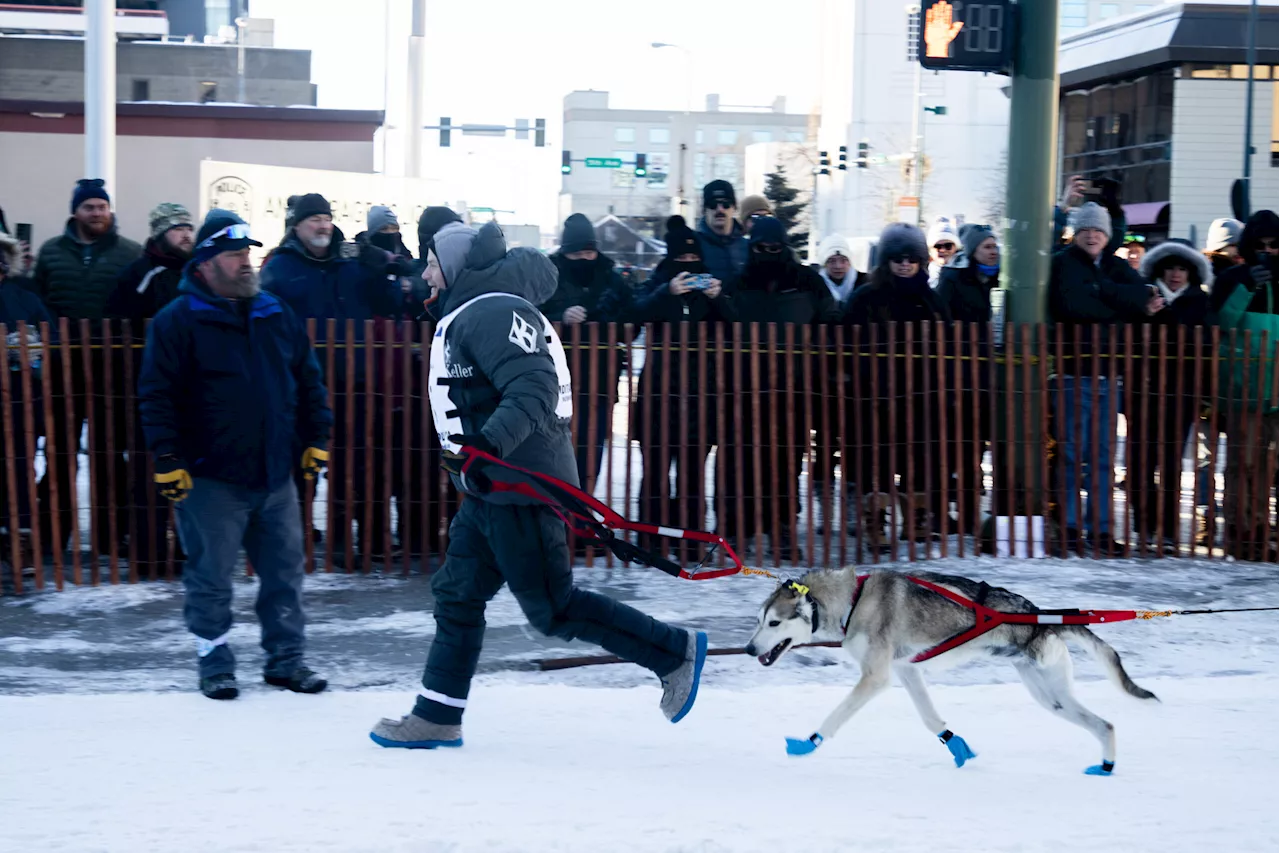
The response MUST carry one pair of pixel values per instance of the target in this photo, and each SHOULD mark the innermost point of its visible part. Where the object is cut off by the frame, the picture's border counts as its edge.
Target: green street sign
(604, 162)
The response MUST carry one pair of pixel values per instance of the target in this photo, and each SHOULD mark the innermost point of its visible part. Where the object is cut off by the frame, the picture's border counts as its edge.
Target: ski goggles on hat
(235, 231)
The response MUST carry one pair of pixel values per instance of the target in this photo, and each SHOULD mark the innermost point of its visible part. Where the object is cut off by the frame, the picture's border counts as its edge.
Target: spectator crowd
(734, 265)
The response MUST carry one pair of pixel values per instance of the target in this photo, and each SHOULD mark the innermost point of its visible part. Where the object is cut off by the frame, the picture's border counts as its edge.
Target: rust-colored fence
(805, 445)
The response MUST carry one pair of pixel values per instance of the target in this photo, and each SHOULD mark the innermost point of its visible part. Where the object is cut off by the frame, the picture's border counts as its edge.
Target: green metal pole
(1033, 162)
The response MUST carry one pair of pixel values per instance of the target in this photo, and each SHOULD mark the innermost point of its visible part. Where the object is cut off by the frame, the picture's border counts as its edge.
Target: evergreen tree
(782, 196)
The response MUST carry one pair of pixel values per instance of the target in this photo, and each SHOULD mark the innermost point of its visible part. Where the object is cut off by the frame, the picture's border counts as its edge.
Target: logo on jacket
(523, 334)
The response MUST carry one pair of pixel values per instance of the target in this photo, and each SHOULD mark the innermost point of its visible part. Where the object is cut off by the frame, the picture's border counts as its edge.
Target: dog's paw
(803, 746)
(959, 749)
(1103, 769)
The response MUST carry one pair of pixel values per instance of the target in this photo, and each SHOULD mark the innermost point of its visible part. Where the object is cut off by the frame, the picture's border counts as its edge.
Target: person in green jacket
(76, 273)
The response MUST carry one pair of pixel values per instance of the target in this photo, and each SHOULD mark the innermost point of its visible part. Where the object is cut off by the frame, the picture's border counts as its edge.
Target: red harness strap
(592, 519)
(986, 619)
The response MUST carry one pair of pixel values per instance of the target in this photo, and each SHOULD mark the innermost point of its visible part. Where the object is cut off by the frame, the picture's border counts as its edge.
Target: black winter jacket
(789, 292)
(1263, 223)
(146, 285)
(76, 279)
(500, 389)
(888, 299)
(597, 287)
(725, 256)
(1084, 294)
(232, 389)
(966, 297)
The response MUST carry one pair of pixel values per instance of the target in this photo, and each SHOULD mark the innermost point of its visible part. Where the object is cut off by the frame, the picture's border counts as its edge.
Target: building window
(1142, 7)
(913, 34)
(1108, 10)
(208, 92)
(795, 136)
(699, 168)
(659, 135)
(762, 136)
(1073, 15)
(727, 137)
(697, 137)
(624, 134)
(141, 90)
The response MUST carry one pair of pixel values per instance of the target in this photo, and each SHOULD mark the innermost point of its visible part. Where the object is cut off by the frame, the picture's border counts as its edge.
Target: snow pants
(525, 547)
(214, 521)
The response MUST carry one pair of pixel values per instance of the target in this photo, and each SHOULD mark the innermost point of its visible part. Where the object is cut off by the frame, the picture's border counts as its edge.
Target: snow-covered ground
(105, 746)
(557, 768)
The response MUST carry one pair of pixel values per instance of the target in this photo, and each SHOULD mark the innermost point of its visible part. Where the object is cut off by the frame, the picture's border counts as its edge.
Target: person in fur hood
(1164, 413)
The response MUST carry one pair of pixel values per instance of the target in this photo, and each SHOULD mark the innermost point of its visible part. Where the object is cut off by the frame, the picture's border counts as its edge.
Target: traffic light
(566, 164)
(843, 163)
(445, 124)
(864, 154)
(824, 162)
(539, 133)
(641, 165)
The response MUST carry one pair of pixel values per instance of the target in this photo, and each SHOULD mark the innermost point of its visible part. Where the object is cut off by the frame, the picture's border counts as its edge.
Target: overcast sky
(492, 61)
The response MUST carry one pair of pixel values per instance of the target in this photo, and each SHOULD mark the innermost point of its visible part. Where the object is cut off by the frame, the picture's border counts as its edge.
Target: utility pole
(917, 145)
(100, 91)
(417, 71)
(1248, 109)
(1033, 154)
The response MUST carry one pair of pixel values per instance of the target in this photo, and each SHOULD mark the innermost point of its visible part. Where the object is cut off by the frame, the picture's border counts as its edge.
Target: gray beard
(235, 287)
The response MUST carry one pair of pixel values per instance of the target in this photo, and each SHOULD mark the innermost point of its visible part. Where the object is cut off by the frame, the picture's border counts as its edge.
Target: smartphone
(699, 281)
(23, 233)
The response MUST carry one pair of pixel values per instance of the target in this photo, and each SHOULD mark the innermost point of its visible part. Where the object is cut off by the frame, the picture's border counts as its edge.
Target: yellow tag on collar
(800, 588)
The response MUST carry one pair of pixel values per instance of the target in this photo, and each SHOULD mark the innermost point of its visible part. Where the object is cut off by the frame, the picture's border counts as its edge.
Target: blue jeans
(213, 522)
(1087, 399)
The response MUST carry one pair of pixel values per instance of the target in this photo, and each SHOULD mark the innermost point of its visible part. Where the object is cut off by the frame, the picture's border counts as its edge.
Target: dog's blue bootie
(803, 746)
(1103, 769)
(960, 750)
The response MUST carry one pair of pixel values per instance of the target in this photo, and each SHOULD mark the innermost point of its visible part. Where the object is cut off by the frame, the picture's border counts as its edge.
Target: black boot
(220, 686)
(301, 680)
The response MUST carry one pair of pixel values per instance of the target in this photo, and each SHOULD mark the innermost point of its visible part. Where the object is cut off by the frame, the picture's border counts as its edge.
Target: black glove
(474, 476)
(1261, 275)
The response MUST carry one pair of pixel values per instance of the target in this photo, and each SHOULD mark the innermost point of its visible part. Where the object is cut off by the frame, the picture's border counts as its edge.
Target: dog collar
(813, 612)
(853, 603)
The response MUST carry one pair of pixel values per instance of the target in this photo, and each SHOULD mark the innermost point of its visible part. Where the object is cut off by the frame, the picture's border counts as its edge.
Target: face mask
(687, 266)
(579, 268)
(989, 270)
(386, 241)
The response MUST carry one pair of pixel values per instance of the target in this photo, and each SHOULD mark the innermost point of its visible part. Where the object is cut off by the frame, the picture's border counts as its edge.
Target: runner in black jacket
(500, 383)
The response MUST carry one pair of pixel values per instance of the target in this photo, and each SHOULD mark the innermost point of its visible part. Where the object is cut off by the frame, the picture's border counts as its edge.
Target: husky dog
(894, 618)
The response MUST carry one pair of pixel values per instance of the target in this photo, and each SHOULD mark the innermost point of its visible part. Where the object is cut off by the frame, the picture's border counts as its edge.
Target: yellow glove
(314, 461)
(173, 479)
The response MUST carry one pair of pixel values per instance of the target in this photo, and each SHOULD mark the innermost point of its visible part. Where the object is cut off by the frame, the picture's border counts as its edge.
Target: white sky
(492, 61)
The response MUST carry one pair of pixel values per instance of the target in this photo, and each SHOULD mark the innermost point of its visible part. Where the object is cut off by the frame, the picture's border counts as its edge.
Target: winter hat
(942, 229)
(768, 230)
(87, 188)
(308, 205)
(901, 238)
(1180, 252)
(680, 239)
(1223, 233)
(380, 216)
(973, 236)
(718, 190)
(451, 245)
(753, 204)
(165, 216)
(432, 220)
(833, 244)
(1091, 215)
(210, 241)
(578, 234)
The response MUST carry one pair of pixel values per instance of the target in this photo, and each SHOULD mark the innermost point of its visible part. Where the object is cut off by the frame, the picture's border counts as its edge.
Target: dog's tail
(1109, 658)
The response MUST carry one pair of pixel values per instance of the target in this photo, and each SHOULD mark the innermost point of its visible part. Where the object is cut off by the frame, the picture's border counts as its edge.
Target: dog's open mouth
(774, 653)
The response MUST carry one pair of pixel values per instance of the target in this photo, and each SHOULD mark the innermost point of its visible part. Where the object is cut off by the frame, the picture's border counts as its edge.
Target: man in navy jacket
(231, 399)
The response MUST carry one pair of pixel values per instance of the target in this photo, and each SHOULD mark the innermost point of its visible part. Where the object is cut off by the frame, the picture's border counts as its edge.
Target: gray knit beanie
(379, 217)
(1091, 215)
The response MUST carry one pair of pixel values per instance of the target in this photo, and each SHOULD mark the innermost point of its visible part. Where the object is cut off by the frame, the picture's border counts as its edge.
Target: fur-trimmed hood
(11, 253)
(1156, 258)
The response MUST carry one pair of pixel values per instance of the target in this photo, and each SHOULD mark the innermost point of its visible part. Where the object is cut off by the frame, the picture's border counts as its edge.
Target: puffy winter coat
(725, 256)
(76, 279)
(1086, 294)
(232, 389)
(350, 282)
(500, 387)
(788, 292)
(146, 285)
